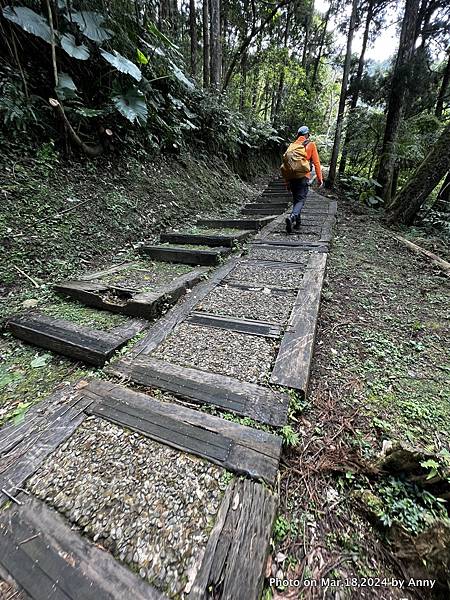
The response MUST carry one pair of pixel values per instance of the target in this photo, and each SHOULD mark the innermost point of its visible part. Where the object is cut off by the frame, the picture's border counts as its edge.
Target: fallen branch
(437, 260)
(27, 276)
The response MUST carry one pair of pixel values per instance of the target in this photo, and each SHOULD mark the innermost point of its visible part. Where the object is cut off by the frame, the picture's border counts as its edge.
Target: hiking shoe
(298, 222)
(289, 223)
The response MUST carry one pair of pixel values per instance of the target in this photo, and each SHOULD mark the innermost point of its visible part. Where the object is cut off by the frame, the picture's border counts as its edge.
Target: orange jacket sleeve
(316, 160)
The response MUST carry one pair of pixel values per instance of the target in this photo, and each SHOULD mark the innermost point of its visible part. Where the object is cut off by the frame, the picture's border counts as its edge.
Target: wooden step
(235, 447)
(224, 240)
(246, 224)
(276, 204)
(247, 326)
(264, 211)
(187, 256)
(235, 559)
(128, 302)
(228, 394)
(50, 560)
(81, 343)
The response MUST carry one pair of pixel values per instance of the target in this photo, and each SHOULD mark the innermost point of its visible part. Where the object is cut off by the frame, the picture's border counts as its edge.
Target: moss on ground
(28, 375)
(83, 315)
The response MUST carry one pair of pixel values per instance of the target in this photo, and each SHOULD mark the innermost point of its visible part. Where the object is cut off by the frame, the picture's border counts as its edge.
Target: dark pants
(299, 189)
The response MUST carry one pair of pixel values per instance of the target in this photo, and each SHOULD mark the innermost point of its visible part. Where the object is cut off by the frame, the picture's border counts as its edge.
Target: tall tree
(443, 90)
(216, 45)
(206, 46)
(342, 98)
(193, 35)
(397, 96)
(357, 83)
(407, 203)
(321, 44)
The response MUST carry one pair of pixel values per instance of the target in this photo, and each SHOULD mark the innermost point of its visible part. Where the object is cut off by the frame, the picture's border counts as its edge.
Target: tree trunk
(412, 196)
(193, 34)
(443, 90)
(342, 98)
(399, 86)
(216, 45)
(279, 93)
(306, 40)
(243, 90)
(443, 200)
(358, 78)
(206, 47)
(321, 44)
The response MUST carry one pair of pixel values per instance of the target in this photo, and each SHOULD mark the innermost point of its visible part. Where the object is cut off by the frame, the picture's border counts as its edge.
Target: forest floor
(380, 381)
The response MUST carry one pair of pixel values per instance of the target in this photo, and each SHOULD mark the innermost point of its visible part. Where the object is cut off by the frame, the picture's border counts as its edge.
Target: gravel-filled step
(226, 240)
(279, 254)
(185, 255)
(150, 505)
(245, 357)
(261, 275)
(268, 305)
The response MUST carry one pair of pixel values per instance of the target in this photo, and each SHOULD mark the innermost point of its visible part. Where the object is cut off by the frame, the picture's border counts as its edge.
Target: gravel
(303, 237)
(148, 504)
(263, 275)
(245, 357)
(260, 304)
(279, 254)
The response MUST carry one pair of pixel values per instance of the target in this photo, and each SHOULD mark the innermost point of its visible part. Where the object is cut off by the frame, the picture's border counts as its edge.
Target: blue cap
(303, 130)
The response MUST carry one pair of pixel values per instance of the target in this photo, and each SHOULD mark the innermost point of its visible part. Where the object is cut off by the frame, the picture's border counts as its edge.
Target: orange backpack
(295, 162)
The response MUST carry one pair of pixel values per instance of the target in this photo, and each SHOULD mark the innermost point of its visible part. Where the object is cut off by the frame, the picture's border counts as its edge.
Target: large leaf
(122, 64)
(66, 89)
(29, 21)
(69, 44)
(180, 76)
(131, 105)
(90, 24)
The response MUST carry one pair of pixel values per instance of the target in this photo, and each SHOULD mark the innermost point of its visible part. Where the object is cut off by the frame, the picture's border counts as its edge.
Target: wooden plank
(78, 342)
(163, 327)
(247, 326)
(50, 560)
(236, 554)
(136, 304)
(267, 204)
(187, 256)
(81, 343)
(293, 363)
(224, 240)
(246, 224)
(246, 399)
(110, 271)
(263, 211)
(33, 448)
(251, 452)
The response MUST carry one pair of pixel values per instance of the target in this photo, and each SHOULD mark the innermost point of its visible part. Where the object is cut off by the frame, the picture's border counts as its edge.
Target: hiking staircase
(241, 335)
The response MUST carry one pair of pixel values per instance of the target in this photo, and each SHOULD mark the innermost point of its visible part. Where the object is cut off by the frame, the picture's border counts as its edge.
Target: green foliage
(29, 21)
(283, 529)
(69, 45)
(404, 503)
(91, 25)
(290, 437)
(17, 111)
(363, 188)
(131, 104)
(122, 64)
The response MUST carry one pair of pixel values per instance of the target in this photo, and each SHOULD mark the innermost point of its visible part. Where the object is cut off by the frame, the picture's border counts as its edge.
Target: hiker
(296, 170)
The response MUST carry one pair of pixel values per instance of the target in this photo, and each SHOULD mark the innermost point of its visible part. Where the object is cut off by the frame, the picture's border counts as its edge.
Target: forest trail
(158, 477)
